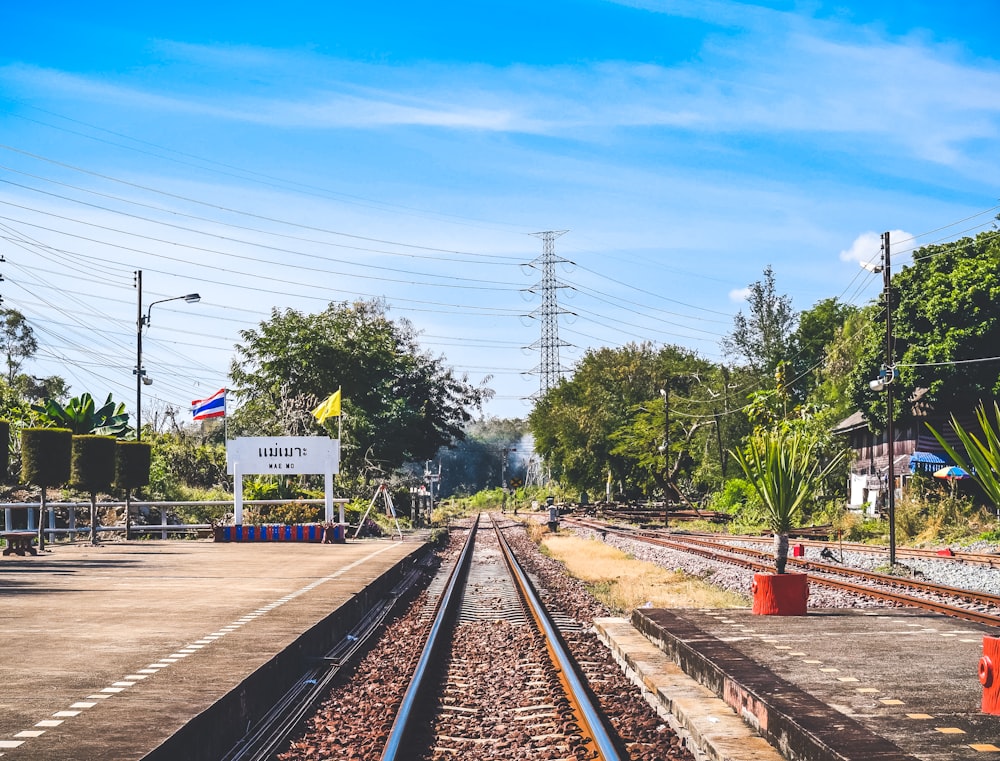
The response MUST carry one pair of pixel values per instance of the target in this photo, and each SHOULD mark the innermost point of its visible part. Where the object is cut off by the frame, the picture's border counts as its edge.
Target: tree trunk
(93, 518)
(780, 552)
(41, 522)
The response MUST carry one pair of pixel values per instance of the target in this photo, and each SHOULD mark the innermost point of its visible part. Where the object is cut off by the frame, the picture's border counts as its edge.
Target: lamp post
(141, 321)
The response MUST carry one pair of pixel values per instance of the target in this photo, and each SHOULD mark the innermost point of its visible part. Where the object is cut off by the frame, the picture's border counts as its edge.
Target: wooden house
(913, 450)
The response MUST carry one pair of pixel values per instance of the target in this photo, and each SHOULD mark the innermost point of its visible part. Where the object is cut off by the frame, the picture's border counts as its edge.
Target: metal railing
(163, 527)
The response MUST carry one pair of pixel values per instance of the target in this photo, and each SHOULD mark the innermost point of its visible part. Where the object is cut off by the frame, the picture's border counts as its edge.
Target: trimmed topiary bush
(132, 464)
(46, 455)
(93, 463)
(133, 460)
(93, 470)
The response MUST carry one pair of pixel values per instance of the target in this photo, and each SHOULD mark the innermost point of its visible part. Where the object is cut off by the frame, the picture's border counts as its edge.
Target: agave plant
(983, 461)
(782, 467)
(82, 416)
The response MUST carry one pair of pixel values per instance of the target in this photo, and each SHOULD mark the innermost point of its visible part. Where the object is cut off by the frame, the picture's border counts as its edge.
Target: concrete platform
(107, 651)
(839, 684)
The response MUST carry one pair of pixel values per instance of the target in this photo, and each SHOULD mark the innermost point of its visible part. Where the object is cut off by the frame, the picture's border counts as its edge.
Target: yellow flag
(330, 407)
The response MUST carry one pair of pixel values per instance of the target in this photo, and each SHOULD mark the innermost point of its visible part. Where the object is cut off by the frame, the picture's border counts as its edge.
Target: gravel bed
(729, 577)
(353, 722)
(969, 576)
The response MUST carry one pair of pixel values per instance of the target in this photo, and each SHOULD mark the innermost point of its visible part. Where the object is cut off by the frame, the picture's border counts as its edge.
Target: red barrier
(989, 675)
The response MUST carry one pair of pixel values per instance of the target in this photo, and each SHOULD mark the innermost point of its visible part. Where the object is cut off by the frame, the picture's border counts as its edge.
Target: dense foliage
(608, 422)
(946, 312)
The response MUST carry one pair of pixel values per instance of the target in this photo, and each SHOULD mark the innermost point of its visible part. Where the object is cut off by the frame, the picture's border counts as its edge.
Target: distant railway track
(966, 604)
(465, 698)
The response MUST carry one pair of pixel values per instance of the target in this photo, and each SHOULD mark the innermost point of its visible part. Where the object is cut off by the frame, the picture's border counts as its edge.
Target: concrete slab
(905, 676)
(712, 730)
(109, 650)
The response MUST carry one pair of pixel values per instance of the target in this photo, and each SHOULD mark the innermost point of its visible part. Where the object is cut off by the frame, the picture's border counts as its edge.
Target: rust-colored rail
(823, 574)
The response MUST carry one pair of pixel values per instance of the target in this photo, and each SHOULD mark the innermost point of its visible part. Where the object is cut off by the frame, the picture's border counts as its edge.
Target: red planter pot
(780, 594)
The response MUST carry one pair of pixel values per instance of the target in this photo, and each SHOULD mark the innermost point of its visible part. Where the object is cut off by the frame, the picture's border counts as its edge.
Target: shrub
(46, 456)
(93, 462)
(132, 461)
(4, 451)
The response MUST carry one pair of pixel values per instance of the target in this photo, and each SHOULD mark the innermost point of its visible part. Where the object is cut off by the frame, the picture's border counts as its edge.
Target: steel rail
(758, 565)
(991, 560)
(590, 717)
(271, 733)
(446, 607)
(972, 595)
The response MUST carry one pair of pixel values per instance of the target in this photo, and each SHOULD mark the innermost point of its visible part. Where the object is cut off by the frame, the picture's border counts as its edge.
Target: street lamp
(142, 320)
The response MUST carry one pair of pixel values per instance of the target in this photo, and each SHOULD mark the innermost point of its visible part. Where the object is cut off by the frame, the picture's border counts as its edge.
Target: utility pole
(140, 374)
(665, 448)
(891, 494)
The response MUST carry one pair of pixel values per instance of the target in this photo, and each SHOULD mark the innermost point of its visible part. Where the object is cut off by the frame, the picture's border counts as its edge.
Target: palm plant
(983, 461)
(782, 467)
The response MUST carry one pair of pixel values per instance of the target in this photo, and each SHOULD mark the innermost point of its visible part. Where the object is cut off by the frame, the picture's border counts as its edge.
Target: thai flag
(214, 406)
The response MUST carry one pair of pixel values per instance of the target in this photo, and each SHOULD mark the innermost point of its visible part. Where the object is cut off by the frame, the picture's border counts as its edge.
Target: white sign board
(283, 455)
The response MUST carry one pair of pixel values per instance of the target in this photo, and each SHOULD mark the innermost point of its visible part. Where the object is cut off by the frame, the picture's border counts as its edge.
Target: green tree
(811, 342)
(33, 390)
(17, 341)
(609, 418)
(763, 338)
(946, 312)
(399, 402)
(844, 354)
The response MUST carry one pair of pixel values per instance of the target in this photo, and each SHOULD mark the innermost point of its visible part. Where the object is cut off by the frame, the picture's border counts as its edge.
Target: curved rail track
(966, 604)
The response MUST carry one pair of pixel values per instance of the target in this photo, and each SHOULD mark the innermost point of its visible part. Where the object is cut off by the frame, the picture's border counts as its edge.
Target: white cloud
(867, 247)
(911, 96)
(739, 294)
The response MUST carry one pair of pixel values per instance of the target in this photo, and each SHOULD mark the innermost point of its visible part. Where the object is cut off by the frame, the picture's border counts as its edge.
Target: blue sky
(284, 156)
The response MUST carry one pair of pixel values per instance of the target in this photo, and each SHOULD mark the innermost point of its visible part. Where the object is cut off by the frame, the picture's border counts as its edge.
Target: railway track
(966, 604)
(495, 678)
(485, 685)
(987, 559)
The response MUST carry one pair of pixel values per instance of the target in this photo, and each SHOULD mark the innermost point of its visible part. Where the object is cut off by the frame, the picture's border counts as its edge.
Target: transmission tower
(549, 368)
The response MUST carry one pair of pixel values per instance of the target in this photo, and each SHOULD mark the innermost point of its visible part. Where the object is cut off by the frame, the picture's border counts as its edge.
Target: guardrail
(163, 527)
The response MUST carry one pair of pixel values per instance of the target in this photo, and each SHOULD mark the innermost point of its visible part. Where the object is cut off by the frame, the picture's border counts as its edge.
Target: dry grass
(624, 583)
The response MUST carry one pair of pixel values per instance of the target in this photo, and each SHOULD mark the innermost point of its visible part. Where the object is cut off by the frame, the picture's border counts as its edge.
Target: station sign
(282, 455)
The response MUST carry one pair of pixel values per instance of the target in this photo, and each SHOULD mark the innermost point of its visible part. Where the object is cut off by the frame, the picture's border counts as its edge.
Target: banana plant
(82, 416)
